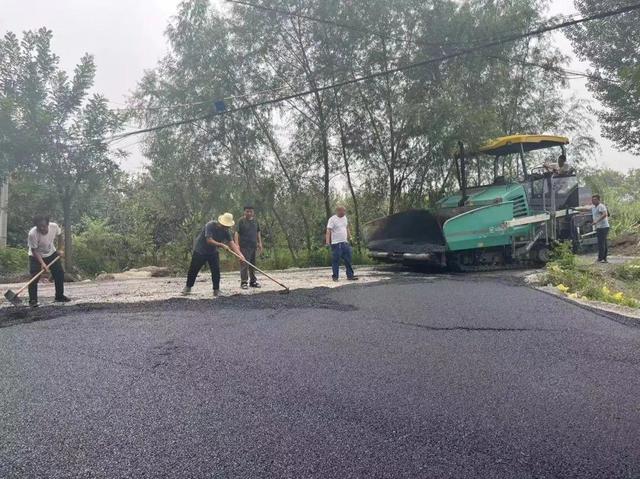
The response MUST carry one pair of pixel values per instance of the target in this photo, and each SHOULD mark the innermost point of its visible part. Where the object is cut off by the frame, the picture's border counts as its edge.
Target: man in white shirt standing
(600, 222)
(600, 216)
(42, 252)
(338, 236)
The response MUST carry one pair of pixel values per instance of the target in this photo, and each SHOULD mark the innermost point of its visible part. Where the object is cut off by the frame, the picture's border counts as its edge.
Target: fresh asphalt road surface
(444, 378)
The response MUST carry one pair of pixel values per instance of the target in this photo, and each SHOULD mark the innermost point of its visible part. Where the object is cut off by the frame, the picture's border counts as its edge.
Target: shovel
(13, 297)
(286, 288)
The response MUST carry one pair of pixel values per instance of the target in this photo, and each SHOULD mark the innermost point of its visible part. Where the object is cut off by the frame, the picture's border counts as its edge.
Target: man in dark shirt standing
(249, 239)
(214, 235)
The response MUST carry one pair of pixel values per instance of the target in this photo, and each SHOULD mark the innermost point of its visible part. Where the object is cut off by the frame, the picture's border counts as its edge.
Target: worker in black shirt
(249, 239)
(214, 235)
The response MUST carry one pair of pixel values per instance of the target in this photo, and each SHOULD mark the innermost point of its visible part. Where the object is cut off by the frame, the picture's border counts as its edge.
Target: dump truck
(506, 213)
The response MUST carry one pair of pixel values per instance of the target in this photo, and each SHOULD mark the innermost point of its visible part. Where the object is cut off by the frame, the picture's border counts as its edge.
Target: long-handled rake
(13, 297)
(286, 288)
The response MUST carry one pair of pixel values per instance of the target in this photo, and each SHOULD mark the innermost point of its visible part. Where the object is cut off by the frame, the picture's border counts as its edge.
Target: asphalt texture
(451, 377)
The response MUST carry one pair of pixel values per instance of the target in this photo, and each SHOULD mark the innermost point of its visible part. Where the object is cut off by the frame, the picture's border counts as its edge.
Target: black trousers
(603, 250)
(247, 271)
(56, 271)
(197, 262)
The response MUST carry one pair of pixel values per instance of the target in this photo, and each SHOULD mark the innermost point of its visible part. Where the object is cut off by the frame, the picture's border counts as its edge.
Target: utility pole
(4, 210)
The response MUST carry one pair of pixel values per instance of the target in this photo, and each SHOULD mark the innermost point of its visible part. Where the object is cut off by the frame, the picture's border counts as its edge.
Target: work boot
(34, 304)
(353, 278)
(335, 279)
(62, 299)
(255, 285)
(186, 291)
(216, 293)
(244, 285)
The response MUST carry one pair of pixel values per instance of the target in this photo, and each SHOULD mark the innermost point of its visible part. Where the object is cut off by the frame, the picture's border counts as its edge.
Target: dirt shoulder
(611, 288)
(150, 289)
(609, 309)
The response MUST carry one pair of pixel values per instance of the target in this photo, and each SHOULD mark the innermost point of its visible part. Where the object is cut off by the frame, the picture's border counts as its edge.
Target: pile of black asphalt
(444, 378)
(316, 298)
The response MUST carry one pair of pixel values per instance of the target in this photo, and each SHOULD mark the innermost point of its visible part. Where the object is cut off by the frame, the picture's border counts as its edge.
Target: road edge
(598, 307)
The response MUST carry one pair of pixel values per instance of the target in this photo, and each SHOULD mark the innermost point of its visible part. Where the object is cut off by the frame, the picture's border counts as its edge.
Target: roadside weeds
(610, 288)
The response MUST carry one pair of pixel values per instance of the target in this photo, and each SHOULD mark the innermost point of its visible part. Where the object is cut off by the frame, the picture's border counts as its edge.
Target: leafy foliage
(54, 129)
(581, 281)
(613, 48)
(100, 249)
(379, 146)
(13, 260)
(620, 193)
(629, 271)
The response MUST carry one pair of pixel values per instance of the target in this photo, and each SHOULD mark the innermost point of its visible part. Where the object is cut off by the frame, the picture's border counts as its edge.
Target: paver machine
(506, 213)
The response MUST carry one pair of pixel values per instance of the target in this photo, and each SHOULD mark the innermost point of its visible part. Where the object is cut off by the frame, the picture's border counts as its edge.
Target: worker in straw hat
(214, 235)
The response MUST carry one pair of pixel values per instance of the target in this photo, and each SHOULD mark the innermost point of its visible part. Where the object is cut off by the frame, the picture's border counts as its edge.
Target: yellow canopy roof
(507, 145)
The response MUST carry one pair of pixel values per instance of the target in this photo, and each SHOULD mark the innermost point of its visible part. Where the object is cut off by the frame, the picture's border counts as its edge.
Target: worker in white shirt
(600, 218)
(337, 237)
(41, 241)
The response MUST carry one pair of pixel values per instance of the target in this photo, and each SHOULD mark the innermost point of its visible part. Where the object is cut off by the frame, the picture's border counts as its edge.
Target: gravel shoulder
(629, 315)
(152, 290)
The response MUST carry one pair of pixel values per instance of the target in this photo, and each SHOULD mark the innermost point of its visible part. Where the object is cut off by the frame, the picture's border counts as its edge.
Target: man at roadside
(42, 253)
(214, 235)
(337, 237)
(600, 218)
(249, 239)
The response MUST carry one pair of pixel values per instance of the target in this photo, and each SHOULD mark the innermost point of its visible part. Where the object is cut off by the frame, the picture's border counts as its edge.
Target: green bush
(620, 193)
(625, 216)
(99, 249)
(562, 256)
(629, 271)
(277, 258)
(577, 281)
(319, 257)
(362, 258)
(13, 260)
(175, 255)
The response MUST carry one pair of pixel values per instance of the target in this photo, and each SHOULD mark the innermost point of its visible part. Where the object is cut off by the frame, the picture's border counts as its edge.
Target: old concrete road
(440, 378)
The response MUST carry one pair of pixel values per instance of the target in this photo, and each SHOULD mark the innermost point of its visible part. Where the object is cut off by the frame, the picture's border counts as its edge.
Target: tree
(63, 127)
(613, 48)
(384, 144)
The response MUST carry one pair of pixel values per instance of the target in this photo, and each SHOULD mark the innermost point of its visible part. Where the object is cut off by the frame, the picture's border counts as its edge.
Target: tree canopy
(612, 46)
(380, 145)
(384, 143)
(55, 129)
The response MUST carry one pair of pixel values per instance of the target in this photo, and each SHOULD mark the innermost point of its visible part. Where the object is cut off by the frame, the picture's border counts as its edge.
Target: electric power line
(568, 73)
(439, 59)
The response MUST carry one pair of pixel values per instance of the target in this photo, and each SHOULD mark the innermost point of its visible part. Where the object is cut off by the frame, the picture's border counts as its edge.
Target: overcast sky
(127, 37)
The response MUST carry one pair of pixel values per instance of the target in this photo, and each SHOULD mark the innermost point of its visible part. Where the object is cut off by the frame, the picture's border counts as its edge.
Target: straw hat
(226, 219)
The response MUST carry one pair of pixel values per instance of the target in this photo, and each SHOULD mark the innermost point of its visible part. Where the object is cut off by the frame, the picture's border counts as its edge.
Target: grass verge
(576, 278)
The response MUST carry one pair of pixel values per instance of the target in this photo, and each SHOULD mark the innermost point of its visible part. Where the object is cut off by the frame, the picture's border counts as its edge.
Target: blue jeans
(341, 251)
